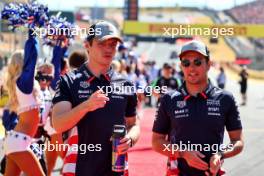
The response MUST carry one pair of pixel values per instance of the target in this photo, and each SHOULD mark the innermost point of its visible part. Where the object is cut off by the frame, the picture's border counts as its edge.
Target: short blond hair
(47, 68)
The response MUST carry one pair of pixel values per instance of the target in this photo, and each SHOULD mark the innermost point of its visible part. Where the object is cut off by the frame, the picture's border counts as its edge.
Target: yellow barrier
(174, 30)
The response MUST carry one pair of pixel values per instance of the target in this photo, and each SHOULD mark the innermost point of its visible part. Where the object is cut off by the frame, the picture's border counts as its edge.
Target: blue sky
(72, 4)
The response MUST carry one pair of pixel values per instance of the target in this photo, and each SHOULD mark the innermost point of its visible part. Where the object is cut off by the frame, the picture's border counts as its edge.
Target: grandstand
(249, 13)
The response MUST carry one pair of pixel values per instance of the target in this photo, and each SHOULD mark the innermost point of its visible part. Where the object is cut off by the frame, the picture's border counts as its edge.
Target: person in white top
(23, 101)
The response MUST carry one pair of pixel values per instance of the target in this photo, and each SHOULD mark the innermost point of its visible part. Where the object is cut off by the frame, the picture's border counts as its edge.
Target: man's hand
(65, 117)
(97, 100)
(124, 145)
(215, 164)
(193, 158)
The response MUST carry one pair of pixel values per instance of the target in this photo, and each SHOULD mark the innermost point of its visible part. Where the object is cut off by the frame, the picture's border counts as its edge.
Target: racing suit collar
(90, 76)
(204, 94)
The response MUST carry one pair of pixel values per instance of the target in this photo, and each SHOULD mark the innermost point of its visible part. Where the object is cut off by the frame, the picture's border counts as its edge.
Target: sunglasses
(47, 78)
(186, 63)
(41, 77)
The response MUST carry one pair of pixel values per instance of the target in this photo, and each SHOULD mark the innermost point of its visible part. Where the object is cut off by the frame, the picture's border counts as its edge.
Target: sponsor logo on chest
(213, 102)
(181, 111)
(213, 108)
(84, 84)
(181, 104)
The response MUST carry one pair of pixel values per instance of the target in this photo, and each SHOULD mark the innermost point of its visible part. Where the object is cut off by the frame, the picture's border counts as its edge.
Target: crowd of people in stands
(250, 13)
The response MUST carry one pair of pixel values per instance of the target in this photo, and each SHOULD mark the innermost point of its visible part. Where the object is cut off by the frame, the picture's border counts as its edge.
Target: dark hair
(128, 69)
(77, 58)
(166, 66)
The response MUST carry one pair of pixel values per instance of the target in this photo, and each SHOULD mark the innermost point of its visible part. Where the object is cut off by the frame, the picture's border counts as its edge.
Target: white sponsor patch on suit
(181, 104)
(84, 84)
